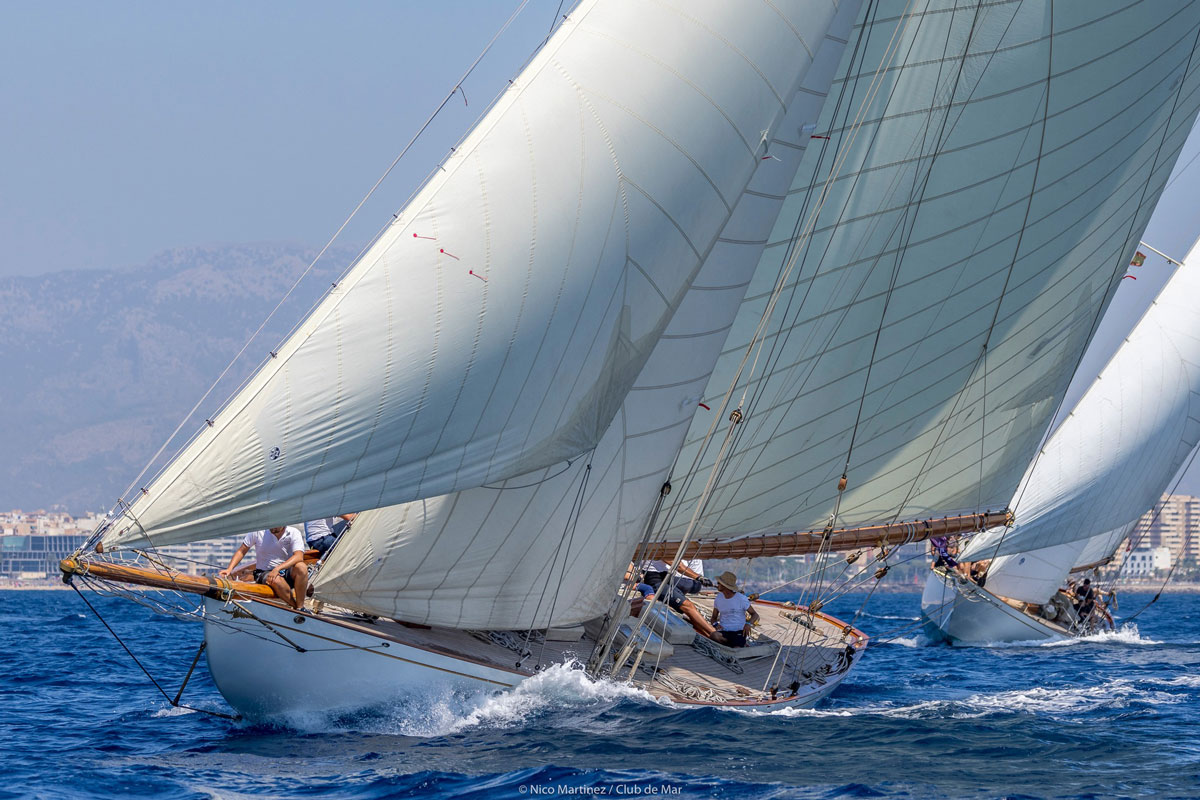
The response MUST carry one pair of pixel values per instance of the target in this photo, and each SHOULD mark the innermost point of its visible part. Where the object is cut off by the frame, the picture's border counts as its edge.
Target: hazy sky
(132, 127)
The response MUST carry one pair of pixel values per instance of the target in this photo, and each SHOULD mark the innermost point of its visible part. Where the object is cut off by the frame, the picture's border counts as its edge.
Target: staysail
(497, 326)
(983, 181)
(1115, 454)
(549, 546)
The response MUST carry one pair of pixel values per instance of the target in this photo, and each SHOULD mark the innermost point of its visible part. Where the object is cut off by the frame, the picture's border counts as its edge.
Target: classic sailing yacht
(1102, 469)
(706, 275)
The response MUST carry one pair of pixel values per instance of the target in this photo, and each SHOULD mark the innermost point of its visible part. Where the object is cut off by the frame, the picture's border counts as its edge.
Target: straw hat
(727, 580)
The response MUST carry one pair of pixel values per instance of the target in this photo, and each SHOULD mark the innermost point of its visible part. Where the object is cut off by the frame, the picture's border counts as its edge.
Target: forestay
(1116, 453)
(497, 326)
(982, 214)
(549, 547)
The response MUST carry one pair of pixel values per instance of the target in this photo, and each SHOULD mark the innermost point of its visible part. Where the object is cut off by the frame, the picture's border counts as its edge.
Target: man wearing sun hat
(732, 613)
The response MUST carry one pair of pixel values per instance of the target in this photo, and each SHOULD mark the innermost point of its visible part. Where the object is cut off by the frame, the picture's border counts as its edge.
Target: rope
(175, 701)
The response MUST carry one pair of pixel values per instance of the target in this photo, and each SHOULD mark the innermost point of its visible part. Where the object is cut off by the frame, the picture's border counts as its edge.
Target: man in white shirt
(278, 562)
(730, 609)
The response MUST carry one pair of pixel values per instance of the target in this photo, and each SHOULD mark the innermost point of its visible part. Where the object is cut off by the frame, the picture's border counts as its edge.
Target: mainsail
(985, 185)
(1115, 454)
(990, 198)
(498, 325)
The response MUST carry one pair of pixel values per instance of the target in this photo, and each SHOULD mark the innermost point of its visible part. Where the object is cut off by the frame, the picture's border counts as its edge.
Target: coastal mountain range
(100, 365)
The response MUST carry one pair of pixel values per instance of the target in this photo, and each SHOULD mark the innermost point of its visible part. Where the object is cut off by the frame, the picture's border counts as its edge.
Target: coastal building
(33, 542)
(1147, 562)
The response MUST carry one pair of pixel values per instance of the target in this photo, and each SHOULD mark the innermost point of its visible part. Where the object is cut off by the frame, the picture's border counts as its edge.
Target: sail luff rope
(457, 88)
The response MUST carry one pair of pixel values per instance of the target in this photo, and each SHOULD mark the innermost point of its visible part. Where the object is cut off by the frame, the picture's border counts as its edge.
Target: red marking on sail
(440, 250)
(476, 274)
(706, 408)
(818, 136)
(431, 238)
(1133, 277)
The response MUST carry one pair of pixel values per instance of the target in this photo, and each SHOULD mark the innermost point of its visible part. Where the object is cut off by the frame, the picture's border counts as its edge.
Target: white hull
(959, 612)
(274, 662)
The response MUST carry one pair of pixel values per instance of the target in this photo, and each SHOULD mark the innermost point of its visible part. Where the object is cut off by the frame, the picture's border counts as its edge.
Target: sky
(135, 126)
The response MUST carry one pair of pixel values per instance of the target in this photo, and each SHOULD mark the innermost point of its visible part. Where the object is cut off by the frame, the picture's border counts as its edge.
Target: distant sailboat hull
(959, 612)
(271, 662)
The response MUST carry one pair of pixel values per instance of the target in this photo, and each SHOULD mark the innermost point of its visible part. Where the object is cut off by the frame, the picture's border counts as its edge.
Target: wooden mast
(792, 544)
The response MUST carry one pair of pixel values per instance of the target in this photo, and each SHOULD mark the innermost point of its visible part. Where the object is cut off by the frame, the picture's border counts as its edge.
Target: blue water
(1116, 716)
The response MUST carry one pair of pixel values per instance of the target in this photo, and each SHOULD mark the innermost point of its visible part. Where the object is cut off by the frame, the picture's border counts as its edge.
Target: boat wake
(443, 713)
(1058, 703)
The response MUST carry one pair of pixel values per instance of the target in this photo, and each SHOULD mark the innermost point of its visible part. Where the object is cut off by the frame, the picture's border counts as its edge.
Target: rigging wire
(173, 701)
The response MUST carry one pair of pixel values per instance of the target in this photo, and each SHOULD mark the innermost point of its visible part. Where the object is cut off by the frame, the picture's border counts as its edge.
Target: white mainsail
(1113, 457)
(495, 556)
(990, 199)
(497, 326)
(999, 182)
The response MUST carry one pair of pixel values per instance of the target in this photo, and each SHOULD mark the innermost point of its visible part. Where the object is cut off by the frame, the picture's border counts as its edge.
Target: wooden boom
(213, 586)
(794, 544)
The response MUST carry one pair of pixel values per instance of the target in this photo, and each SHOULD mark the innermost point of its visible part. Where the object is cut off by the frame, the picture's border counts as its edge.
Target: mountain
(99, 366)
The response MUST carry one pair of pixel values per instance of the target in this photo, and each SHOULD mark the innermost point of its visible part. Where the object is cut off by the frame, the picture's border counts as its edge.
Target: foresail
(979, 217)
(1035, 576)
(1130, 434)
(497, 326)
(1100, 549)
(550, 546)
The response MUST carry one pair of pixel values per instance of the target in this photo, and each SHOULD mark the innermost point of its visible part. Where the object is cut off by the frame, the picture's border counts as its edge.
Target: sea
(1114, 715)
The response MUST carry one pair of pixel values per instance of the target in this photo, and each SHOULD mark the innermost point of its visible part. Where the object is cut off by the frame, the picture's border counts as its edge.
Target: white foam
(920, 640)
(1065, 702)
(1127, 634)
(174, 711)
(442, 713)
(889, 616)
